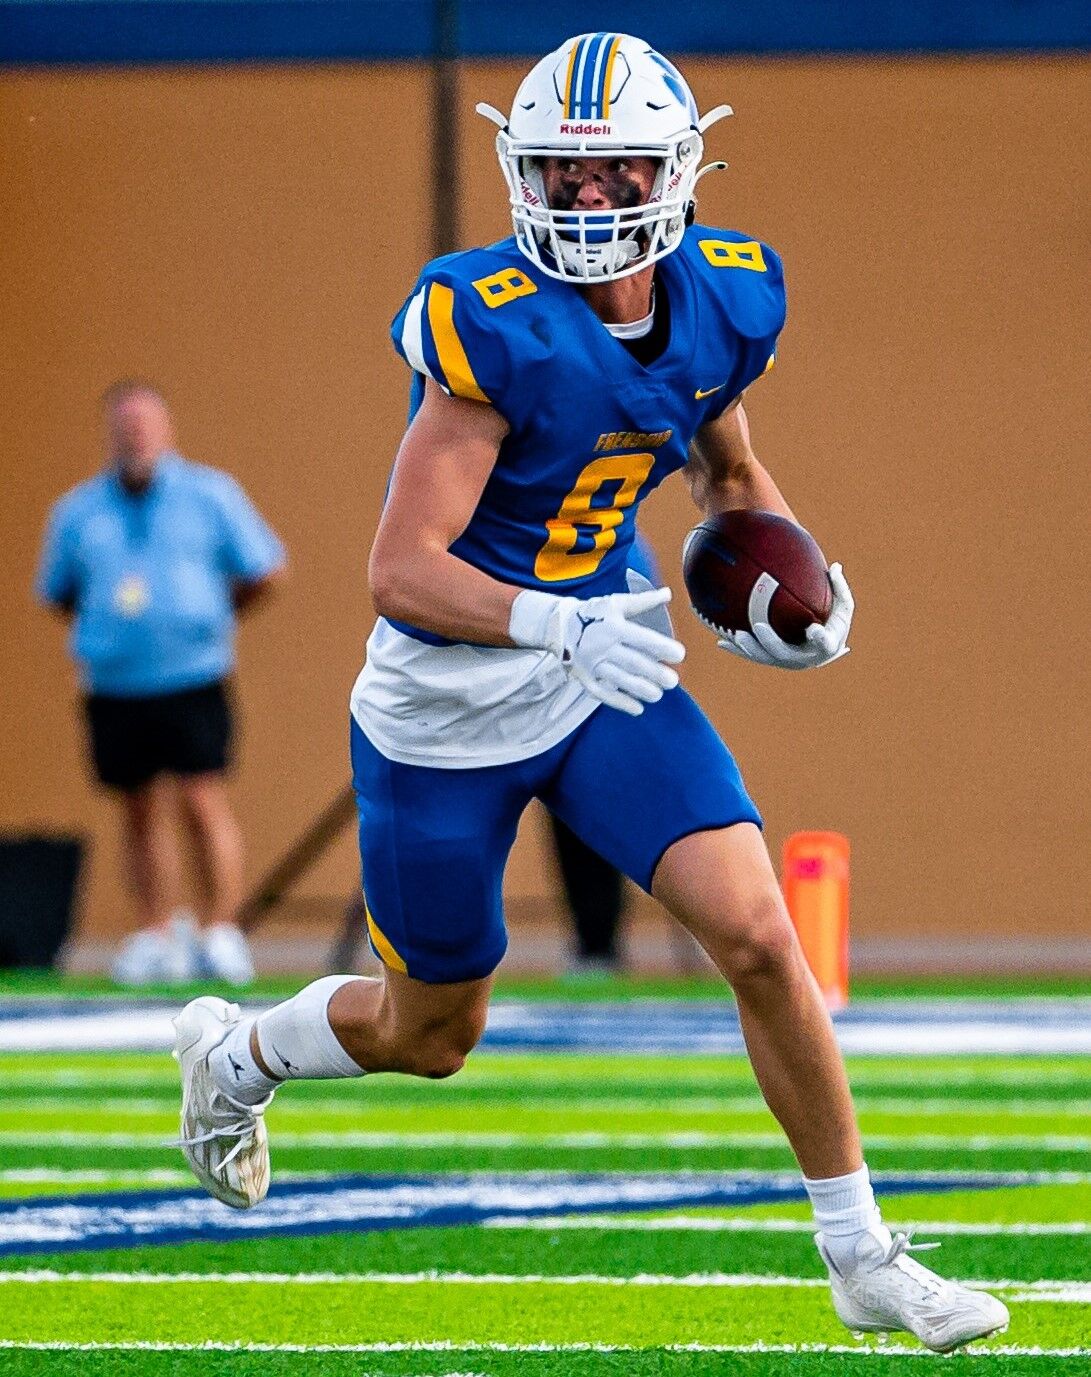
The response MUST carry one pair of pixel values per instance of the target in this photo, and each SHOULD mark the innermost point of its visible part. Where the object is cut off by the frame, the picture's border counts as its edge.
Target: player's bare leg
(336, 1028)
(721, 886)
(150, 851)
(397, 1023)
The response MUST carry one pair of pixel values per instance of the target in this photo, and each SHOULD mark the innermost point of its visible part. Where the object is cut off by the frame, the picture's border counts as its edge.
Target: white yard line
(1065, 1292)
(458, 1346)
(683, 1223)
(89, 1176)
(930, 1183)
(1037, 1077)
(154, 1176)
(355, 1106)
(975, 1142)
(31, 1277)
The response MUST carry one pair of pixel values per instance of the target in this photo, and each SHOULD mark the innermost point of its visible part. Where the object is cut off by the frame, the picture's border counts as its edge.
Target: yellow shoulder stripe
(382, 945)
(452, 356)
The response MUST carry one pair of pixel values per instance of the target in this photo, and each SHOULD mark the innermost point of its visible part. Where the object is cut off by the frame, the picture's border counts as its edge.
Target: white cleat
(225, 1143)
(888, 1290)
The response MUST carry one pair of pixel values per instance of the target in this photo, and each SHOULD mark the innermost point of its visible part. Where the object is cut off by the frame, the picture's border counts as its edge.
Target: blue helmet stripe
(601, 65)
(587, 82)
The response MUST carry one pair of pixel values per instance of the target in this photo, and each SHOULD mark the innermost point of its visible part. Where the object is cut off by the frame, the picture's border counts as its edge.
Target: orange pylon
(816, 890)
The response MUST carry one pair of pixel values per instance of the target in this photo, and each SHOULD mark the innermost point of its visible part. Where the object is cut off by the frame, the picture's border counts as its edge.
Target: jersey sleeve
(745, 279)
(250, 549)
(447, 331)
(56, 580)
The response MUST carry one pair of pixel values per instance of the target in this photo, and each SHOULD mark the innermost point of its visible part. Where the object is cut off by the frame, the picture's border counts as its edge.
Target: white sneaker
(225, 955)
(887, 1290)
(159, 956)
(225, 1143)
(150, 956)
(187, 946)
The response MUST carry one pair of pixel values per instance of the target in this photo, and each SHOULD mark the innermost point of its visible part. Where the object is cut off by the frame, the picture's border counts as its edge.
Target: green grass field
(688, 1290)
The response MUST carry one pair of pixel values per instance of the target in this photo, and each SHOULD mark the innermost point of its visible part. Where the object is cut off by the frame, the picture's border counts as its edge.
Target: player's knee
(440, 1063)
(442, 1050)
(437, 1058)
(763, 945)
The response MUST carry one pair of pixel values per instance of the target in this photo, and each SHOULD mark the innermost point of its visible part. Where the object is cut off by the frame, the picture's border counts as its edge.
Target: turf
(14, 983)
(470, 1363)
(75, 1124)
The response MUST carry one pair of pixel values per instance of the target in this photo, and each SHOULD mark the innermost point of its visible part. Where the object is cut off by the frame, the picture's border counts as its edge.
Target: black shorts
(135, 739)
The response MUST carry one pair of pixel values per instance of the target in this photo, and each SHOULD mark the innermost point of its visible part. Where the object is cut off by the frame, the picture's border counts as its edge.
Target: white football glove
(823, 645)
(600, 643)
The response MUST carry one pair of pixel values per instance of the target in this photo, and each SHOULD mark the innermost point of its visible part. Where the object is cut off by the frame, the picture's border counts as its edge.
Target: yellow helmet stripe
(614, 46)
(569, 93)
(452, 357)
(382, 945)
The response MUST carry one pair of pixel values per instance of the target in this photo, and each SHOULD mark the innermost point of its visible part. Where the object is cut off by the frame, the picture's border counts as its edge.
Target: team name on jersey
(633, 439)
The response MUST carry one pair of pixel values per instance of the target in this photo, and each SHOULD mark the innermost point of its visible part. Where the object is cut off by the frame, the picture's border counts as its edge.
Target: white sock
(234, 1069)
(844, 1208)
(295, 1040)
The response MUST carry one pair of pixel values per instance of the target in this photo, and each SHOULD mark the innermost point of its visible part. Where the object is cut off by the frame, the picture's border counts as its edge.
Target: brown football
(740, 564)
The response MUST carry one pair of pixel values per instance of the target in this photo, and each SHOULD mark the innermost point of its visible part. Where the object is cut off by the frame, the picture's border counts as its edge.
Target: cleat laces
(242, 1130)
(897, 1256)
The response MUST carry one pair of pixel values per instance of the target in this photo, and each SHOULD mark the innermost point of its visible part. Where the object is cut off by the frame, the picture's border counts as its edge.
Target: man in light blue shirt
(151, 561)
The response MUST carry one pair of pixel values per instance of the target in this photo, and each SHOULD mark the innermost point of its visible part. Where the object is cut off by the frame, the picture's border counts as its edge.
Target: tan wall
(245, 235)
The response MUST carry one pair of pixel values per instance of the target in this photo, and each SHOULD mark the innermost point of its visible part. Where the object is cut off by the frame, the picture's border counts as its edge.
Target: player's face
(598, 183)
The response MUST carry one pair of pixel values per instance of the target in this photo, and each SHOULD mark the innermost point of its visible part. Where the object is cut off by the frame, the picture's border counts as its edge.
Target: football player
(557, 378)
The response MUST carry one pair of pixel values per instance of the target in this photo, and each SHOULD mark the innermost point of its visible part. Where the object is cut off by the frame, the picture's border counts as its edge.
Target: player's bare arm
(724, 473)
(439, 475)
(440, 472)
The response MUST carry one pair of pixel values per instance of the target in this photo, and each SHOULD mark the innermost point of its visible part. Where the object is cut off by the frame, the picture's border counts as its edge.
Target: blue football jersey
(592, 430)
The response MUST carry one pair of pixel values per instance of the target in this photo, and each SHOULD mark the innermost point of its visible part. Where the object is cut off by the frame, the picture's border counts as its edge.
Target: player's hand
(823, 645)
(600, 643)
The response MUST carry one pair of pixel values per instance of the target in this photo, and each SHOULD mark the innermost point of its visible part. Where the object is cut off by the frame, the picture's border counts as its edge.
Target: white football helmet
(600, 95)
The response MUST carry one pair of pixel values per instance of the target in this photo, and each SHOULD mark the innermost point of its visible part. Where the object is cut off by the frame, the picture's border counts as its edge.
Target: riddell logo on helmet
(586, 129)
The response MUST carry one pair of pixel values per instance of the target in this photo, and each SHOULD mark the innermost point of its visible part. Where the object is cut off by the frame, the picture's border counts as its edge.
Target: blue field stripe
(1049, 1025)
(693, 1015)
(367, 1204)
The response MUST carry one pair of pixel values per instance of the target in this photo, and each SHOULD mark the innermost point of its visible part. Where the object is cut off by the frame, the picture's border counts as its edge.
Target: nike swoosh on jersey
(701, 393)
